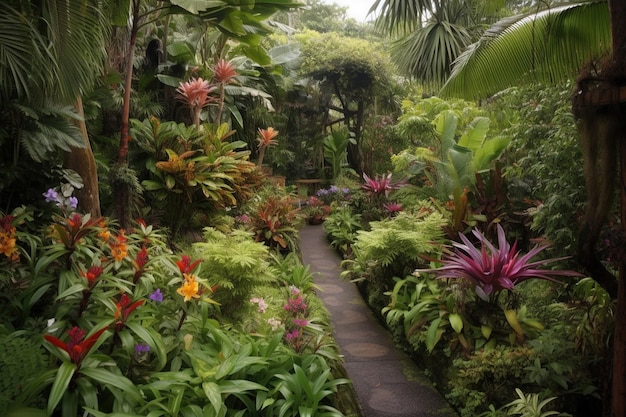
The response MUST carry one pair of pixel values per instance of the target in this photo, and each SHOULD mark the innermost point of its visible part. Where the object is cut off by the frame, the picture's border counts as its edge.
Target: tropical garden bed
(150, 266)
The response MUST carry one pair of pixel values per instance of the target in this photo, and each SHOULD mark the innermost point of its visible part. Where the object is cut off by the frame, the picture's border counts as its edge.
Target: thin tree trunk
(121, 188)
(83, 162)
(617, 11)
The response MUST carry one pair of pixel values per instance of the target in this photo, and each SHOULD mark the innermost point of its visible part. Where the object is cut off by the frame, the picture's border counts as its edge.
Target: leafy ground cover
(99, 320)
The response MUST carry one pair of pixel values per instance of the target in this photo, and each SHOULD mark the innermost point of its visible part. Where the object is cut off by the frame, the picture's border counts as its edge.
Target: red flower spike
(224, 71)
(185, 266)
(92, 274)
(77, 348)
(123, 308)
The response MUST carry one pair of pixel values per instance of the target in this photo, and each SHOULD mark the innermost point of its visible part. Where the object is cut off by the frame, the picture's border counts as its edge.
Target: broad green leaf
(475, 134)
(486, 331)
(21, 411)
(149, 185)
(445, 127)
(195, 6)
(214, 394)
(106, 377)
(169, 80)
(550, 45)
(489, 152)
(456, 322)
(433, 334)
(511, 318)
(59, 387)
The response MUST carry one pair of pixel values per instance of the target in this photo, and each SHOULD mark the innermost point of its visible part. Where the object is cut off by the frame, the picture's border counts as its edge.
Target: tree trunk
(121, 188)
(83, 162)
(617, 11)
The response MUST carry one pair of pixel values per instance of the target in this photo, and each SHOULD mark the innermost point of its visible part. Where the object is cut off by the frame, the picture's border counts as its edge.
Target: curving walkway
(386, 381)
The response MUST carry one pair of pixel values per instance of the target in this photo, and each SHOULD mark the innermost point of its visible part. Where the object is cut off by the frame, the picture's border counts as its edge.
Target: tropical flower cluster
(493, 269)
(7, 238)
(333, 195)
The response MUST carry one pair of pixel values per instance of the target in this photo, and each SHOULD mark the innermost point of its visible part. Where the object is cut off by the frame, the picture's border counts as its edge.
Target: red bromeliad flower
(393, 208)
(224, 71)
(380, 185)
(92, 274)
(140, 262)
(123, 308)
(78, 347)
(195, 92)
(185, 266)
(75, 228)
(492, 269)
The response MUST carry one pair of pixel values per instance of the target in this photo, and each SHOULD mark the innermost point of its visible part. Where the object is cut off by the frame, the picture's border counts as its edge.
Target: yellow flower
(190, 288)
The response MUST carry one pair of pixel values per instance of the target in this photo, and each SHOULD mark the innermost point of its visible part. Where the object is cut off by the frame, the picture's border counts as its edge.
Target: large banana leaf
(547, 46)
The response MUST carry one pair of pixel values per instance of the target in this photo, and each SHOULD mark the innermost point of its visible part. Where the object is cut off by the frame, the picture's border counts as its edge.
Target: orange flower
(190, 288)
(7, 239)
(119, 250)
(266, 137)
(104, 233)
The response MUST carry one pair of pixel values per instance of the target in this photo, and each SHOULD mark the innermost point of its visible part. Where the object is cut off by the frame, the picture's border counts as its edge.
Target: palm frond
(46, 130)
(402, 16)
(22, 52)
(428, 53)
(548, 46)
(76, 31)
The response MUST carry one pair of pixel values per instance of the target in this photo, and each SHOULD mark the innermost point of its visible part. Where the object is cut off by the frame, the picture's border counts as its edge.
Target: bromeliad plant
(493, 269)
(447, 311)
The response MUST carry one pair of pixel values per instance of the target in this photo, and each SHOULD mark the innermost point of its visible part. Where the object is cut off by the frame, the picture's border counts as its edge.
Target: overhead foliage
(356, 65)
(564, 38)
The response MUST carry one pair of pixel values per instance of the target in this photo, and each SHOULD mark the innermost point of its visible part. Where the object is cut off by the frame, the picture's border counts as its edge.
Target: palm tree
(430, 34)
(586, 42)
(50, 52)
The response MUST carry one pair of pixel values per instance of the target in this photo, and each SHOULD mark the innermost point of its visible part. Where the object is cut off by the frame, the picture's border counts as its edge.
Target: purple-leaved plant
(493, 269)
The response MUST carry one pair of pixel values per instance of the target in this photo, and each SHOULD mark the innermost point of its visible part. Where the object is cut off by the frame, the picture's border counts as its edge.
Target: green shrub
(21, 358)
(235, 264)
(393, 247)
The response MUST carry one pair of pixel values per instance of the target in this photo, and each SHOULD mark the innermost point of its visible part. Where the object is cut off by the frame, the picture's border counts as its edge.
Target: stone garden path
(387, 383)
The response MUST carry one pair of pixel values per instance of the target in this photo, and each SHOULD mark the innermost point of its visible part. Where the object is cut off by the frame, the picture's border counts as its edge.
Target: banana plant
(461, 161)
(336, 150)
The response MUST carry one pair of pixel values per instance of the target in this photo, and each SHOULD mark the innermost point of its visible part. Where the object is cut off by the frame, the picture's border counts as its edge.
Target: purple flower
(295, 305)
(492, 269)
(142, 348)
(292, 335)
(156, 296)
(73, 201)
(51, 195)
(300, 322)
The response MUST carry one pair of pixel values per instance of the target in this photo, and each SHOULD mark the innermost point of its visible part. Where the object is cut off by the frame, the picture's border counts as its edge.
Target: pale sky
(357, 9)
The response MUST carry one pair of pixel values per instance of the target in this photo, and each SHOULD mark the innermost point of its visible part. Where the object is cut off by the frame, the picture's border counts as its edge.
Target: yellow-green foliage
(402, 240)
(235, 263)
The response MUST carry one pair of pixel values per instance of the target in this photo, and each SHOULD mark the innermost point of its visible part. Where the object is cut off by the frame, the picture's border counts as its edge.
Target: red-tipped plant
(78, 347)
(224, 73)
(380, 185)
(266, 139)
(493, 269)
(195, 93)
(123, 308)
